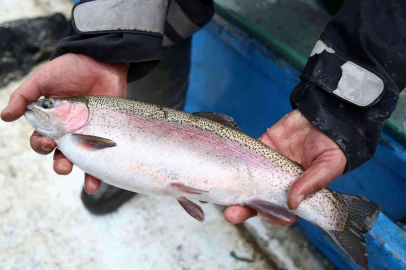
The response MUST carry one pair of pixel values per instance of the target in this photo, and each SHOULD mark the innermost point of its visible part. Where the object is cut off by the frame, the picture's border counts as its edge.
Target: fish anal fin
(93, 142)
(219, 118)
(270, 209)
(191, 208)
(185, 189)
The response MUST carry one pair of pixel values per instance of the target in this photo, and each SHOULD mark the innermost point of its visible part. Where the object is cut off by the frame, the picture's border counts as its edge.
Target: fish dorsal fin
(191, 208)
(92, 142)
(219, 118)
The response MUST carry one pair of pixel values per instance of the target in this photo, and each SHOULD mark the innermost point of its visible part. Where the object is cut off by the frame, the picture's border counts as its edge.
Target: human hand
(67, 76)
(296, 138)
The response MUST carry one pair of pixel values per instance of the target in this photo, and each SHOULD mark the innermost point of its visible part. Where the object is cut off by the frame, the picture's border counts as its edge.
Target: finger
(266, 139)
(62, 165)
(277, 221)
(30, 90)
(92, 184)
(41, 145)
(314, 179)
(237, 214)
(288, 134)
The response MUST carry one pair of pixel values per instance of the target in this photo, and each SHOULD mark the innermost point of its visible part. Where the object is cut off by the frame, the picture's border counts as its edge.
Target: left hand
(296, 138)
(67, 76)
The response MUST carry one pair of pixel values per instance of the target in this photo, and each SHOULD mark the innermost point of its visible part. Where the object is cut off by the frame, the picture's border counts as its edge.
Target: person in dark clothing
(348, 88)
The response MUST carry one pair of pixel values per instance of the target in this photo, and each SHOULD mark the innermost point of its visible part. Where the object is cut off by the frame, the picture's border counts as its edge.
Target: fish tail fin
(362, 215)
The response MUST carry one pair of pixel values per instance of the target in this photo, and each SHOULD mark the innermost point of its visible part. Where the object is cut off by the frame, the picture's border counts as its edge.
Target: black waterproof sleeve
(142, 50)
(372, 34)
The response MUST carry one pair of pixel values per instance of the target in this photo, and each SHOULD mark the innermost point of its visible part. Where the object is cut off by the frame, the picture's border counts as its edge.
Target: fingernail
(270, 221)
(84, 187)
(4, 111)
(62, 167)
(299, 199)
(91, 186)
(266, 219)
(46, 148)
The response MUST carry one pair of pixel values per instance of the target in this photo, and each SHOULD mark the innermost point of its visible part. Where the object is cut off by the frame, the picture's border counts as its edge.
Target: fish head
(54, 118)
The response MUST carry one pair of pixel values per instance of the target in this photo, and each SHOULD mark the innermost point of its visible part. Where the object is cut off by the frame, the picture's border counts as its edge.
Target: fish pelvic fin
(92, 142)
(185, 189)
(362, 215)
(191, 208)
(270, 209)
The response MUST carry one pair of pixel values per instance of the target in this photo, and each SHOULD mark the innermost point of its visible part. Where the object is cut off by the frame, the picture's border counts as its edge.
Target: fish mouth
(36, 112)
(34, 116)
(29, 110)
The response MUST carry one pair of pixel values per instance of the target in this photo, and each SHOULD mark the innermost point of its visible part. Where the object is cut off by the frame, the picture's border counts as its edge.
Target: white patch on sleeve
(358, 85)
(319, 47)
(121, 15)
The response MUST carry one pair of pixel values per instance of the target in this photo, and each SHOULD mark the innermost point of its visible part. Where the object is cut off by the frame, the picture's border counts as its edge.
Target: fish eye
(47, 104)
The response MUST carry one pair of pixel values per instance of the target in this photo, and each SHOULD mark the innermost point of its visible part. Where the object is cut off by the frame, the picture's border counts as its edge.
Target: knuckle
(317, 186)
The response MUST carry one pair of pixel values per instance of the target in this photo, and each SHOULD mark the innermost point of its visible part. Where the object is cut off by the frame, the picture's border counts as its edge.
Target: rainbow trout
(203, 156)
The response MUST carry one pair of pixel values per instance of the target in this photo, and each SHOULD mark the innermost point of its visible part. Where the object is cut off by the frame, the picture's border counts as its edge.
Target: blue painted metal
(236, 75)
(386, 243)
(382, 179)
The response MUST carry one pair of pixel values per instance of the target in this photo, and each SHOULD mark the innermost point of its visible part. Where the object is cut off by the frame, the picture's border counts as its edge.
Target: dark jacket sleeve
(142, 50)
(372, 34)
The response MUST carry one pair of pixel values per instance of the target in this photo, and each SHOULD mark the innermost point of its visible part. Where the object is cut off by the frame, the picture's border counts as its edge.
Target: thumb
(28, 91)
(322, 172)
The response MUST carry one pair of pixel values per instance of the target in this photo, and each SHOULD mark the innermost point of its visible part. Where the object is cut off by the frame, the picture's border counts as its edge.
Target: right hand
(67, 76)
(298, 139)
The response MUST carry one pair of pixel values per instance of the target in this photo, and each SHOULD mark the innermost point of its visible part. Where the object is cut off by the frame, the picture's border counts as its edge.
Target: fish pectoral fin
(219, 118)
(191, 208)
(93, 142)
(270, 209)
(185, 189)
